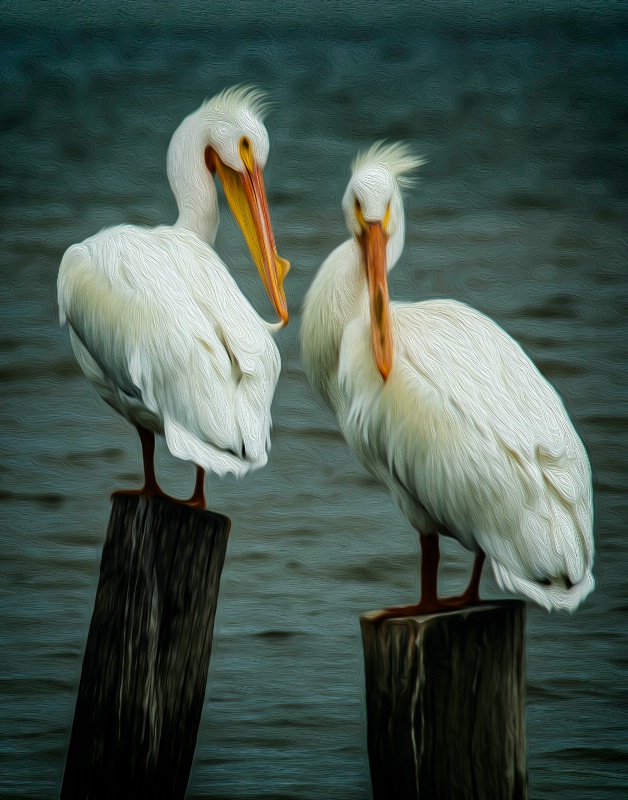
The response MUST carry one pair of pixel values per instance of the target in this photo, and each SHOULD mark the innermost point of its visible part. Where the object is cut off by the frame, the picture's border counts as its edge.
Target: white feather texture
(158, 325)
(395, 159)
(466, 434)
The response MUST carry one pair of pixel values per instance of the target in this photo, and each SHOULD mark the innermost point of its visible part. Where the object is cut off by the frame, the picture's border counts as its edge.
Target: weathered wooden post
(445, 698)
(145, 667)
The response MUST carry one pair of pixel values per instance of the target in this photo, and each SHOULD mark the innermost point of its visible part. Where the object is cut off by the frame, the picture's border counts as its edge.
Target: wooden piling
(145, 667)
(445, 697)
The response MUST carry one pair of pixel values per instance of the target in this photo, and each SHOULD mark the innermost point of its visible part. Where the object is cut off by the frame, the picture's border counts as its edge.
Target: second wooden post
(445, 697)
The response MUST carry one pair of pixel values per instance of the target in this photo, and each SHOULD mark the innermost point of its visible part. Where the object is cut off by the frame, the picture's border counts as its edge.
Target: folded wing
(167, 338)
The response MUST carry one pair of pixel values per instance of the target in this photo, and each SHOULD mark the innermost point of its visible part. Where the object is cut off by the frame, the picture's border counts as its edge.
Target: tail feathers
(554, 592)
(188, 447)
(547, 555)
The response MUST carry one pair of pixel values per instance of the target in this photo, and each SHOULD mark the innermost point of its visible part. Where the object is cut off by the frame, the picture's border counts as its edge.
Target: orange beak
(246, 196)
(373, 241)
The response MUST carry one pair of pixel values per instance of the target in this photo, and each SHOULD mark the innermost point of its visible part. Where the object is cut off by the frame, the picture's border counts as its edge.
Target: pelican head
(374, 213)
(235, 145)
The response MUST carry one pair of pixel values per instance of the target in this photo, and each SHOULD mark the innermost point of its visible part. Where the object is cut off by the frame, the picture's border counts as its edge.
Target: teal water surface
(520, 211)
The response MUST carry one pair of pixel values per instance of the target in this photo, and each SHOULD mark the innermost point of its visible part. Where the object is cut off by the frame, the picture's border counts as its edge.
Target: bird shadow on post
(145, 667)
(445, 697)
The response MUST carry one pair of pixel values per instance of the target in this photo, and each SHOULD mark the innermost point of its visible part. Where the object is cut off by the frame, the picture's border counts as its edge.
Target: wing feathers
(159, 315)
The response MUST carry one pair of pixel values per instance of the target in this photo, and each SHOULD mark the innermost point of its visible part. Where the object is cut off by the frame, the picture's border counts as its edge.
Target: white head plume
(396, 158)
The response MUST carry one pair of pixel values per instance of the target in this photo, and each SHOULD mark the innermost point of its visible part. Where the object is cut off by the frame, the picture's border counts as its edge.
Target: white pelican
(447, 411)
(158, 325)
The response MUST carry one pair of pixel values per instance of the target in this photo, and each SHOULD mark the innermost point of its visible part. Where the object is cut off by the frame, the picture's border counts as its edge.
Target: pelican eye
(357, 206)
(246, 153)
(210, 159)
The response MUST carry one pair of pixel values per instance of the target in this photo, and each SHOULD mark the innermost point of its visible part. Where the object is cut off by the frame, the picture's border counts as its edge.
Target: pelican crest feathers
(241, 98)
(397, 158)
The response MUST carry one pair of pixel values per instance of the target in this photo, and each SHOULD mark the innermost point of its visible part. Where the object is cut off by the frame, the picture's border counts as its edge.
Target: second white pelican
(157, 323)
(447, 411)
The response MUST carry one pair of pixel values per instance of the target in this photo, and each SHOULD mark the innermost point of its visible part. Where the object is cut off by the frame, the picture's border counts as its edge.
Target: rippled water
(520, 211)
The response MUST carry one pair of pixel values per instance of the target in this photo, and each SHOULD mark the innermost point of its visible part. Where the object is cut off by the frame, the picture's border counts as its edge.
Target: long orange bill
(246, 195)
(374, 249)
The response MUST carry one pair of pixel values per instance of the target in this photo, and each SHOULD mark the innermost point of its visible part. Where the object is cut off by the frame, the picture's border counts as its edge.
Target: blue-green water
(520, 211)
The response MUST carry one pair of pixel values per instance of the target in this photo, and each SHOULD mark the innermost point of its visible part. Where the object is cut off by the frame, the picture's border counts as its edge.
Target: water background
(520, 211)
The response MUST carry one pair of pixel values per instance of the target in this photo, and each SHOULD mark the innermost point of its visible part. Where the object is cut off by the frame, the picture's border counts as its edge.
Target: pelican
(445, 409)
(157, 323)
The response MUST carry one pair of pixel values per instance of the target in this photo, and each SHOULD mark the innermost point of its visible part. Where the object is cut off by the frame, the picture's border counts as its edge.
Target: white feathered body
(165, 336)
(466, 434)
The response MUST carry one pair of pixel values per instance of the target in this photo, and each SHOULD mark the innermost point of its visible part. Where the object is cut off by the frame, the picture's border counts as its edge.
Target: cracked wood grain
(144, 672)
(445, 697)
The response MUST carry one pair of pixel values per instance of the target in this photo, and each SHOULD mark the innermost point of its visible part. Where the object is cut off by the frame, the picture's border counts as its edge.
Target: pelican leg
(430, 559)
(147, 438)
(151, 488)
(429, 602)
(198, 495)
(472, 593)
